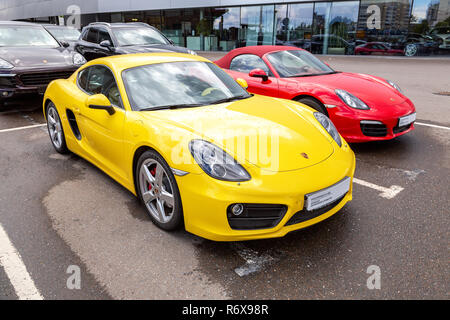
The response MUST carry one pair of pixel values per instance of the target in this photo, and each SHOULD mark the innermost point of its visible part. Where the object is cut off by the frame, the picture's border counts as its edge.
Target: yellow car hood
(283, 137)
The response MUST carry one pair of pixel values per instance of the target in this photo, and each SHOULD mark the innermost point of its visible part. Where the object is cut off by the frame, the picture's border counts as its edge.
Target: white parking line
(16, 271)
(432, 125)
(388, 193)
(22, 128)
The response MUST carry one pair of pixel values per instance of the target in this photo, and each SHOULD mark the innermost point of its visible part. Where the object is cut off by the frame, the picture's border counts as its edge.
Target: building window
(388, 27)
(334, 27)
(384, 21)
(429, 28)
(226, 26)
(294, 24)
(176, 26)
(256, 25)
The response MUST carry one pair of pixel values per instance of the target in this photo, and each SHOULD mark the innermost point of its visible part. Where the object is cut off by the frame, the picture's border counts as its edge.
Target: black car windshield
(64, 33)
(24, 36)
(179, 84)
(297, 63)
(138, 36)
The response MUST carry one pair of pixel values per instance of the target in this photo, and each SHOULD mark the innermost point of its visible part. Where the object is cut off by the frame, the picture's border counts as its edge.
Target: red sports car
(377, 48)
(363, 107)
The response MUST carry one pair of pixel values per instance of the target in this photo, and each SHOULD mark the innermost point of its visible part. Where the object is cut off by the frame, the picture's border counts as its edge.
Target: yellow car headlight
(216, 162)
(329, 126)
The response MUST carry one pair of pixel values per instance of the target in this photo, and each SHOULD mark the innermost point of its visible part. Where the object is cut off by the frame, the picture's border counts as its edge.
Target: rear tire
(311, 102)
(55, 129)
(157, 188)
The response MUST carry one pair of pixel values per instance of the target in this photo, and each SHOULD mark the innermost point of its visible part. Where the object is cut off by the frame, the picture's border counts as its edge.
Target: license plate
(322, 198)
(404, 121)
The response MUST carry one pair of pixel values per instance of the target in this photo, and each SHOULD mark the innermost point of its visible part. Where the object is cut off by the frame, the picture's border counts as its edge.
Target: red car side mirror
(259, 73)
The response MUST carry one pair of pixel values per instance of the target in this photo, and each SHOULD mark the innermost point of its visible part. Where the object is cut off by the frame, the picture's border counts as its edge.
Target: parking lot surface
(61, 211)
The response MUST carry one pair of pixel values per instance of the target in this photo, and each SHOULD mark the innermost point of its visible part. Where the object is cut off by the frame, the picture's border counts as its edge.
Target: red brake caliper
(153, 172)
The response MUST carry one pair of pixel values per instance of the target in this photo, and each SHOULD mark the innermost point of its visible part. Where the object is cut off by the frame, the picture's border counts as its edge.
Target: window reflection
(256, 25)
(226, 26)
(334, 27)
(247, 62)
(407, 27)
(431, 19)
(384, 21)
(294, 24)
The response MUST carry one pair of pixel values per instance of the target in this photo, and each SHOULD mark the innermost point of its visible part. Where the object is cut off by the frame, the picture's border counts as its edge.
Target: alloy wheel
(410, 50)
(54, 127)
(157, 191)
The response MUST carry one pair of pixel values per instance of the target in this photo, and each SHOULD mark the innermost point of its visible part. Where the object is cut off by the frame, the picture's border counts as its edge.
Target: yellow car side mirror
(242, 83)
(100, 102)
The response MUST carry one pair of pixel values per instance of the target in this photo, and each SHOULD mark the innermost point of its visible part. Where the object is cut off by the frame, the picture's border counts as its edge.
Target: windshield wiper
(175, 106)
(232, 99)
(193, 105)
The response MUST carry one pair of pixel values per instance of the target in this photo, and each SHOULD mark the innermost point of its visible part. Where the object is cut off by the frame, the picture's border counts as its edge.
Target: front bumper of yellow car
(207, 202)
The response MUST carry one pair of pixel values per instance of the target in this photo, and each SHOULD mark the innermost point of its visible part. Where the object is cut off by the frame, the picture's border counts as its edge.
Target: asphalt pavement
(60, 211)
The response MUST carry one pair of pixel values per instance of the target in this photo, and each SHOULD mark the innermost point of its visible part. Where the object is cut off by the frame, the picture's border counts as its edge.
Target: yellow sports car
(198, 149)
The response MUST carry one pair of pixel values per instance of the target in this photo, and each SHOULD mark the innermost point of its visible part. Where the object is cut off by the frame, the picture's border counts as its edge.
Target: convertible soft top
(256, 50)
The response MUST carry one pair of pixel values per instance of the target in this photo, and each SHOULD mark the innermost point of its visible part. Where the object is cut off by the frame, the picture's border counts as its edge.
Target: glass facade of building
(381, 27)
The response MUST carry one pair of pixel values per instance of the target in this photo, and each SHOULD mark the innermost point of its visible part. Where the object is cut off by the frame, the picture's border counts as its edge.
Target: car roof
(19, 23)
(126, 61)
(262, 50)
(224, 62)
(119, 24)
(57, 26)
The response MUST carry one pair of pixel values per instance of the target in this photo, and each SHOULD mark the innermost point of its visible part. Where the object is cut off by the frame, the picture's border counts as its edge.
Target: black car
(30, 58)
(415, 44)
(101, 39)
(336, 44)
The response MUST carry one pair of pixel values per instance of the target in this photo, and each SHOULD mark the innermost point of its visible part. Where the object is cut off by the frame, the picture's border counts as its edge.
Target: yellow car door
(102, 129)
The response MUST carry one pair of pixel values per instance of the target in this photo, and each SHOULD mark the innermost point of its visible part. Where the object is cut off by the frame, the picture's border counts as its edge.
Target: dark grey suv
(101, 39)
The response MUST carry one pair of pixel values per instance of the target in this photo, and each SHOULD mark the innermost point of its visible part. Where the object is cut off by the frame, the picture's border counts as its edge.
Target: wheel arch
(47, 101)
(137, 153)
(304, 95)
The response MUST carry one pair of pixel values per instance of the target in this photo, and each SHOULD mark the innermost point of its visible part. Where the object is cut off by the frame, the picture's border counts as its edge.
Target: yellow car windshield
(179, 84)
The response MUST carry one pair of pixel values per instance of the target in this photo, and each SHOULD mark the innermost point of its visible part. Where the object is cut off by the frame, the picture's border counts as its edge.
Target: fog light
(237, 209)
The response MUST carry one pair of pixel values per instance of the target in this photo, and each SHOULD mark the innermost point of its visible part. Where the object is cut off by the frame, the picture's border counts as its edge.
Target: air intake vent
(43, 78)
(256, 216)
(373, 129)
(304, 215)
(402, 128)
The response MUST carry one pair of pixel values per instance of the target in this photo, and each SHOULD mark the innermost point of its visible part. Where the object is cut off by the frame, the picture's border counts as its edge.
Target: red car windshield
(297, 63)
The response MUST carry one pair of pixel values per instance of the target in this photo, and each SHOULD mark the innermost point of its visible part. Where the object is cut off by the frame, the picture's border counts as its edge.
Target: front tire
(55, 129)
(158, 190)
